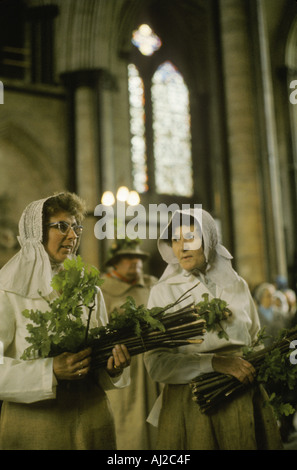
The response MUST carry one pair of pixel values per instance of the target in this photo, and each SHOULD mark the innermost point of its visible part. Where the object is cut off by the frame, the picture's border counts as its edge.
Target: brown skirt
(241, 423)
(78, 419)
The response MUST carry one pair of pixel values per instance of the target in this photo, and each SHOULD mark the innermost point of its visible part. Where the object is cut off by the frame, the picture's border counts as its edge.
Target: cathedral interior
(72, 78)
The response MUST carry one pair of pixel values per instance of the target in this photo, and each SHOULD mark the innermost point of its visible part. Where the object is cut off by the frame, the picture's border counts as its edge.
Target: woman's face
(59, 246)
(187, 247)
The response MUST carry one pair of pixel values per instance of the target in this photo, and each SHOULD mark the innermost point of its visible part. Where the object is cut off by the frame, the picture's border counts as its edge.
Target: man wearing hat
(132, 405)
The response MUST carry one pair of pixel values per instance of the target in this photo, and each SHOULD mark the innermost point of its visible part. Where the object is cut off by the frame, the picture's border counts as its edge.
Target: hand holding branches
(239, 368)
(119, 360)
(72, 366)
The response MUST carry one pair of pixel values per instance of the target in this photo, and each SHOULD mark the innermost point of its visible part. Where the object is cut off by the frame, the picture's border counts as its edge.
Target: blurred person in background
(272, 309)
(125, 277)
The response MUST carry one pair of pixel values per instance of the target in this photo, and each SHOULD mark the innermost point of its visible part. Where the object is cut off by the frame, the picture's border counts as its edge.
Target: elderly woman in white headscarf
(51, 403)
(194, 254)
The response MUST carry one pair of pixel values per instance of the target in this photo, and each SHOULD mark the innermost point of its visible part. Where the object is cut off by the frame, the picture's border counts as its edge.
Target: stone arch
(88, 33)
(34, 156)
(26, 173)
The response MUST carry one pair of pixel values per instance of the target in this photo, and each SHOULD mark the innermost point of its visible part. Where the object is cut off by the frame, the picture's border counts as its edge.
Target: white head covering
(29, 271)
(219, 268)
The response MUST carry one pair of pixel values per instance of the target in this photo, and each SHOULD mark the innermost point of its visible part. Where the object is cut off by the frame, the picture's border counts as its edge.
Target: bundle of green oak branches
(63, 328)
(149, 329)
(274, 367)
(157, 327)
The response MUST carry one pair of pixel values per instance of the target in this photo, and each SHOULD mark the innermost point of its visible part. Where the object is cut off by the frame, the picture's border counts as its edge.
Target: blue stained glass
(146, 40)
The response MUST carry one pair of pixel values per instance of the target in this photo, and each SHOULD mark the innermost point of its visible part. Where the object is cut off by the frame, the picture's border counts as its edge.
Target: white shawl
(29, 271)
(219, 268)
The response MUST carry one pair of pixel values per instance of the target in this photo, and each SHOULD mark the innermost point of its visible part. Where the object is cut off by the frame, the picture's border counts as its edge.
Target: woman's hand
(75, 366)
(236, 366)
(118, 361)
(72, 366)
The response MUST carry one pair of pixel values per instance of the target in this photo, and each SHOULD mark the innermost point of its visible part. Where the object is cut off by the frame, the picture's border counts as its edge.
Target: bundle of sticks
(181, 327)
(211, 390)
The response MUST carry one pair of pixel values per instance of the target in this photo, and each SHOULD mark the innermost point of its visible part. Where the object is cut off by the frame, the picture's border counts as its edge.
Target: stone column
(279, 264)
(241, 140)
(87, 165)
(87, 109)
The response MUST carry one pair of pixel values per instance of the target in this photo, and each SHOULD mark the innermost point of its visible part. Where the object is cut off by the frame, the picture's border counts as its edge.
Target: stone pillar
(278, 245)
(87, 165)
(88, 141)
(241, 140)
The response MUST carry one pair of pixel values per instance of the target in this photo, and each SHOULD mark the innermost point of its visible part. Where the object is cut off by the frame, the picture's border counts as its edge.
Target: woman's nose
(71, 234)
(182, 244)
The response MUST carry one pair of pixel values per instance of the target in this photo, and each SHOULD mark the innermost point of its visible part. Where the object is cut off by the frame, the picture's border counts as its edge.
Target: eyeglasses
(64, 227)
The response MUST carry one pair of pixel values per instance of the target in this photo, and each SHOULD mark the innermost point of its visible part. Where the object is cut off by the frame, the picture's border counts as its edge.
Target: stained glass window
(171, 124)
(146, 41)
(172, 132)
(137, 129)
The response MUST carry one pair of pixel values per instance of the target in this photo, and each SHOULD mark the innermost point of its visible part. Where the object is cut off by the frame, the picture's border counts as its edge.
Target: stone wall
(33, 156)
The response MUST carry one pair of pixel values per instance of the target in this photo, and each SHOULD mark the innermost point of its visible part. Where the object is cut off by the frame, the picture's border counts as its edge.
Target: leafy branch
(214, 311)
(274, 370)
(62, 327)
(142, 329)
(65, 327)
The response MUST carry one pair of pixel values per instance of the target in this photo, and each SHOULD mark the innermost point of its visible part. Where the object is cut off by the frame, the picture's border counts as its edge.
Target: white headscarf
(219, 268)
(29, 271)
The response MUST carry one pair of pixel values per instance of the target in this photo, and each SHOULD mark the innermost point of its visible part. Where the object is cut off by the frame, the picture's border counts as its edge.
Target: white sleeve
(169, 366)
(21, 381)
(255, 327)
(27, 381)
(110, 383)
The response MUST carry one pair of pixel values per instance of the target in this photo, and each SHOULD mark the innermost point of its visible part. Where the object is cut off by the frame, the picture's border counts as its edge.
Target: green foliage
(275, 372)
(274, 368)
(62, 326)
(135, 318)
(279, 407)
(130, 318)
(214, 311)
(249, 350)
(280, 376)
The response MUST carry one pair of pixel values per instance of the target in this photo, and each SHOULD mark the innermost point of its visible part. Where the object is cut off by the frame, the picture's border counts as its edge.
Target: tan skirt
(131, 406)
(78, 419)
(241, 423)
